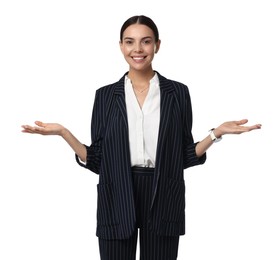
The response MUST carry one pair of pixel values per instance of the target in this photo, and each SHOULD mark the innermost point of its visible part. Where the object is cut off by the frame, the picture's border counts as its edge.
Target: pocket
(175, 201)
(106, 213)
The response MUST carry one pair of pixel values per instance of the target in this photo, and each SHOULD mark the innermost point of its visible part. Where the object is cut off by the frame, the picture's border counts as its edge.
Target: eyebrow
(144, 38)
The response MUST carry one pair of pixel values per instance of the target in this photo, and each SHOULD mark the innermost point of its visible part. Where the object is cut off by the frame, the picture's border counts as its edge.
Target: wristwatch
(213, 137)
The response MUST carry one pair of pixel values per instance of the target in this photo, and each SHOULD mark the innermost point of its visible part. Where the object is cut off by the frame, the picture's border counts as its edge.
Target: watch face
(213, 137)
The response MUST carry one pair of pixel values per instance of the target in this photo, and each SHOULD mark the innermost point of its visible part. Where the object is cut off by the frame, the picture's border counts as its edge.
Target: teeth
(138, 58)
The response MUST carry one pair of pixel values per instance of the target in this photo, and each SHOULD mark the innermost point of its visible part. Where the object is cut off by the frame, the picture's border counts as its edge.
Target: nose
(138, 47)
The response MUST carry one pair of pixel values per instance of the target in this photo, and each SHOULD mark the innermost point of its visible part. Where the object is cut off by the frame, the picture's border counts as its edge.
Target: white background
(56, 53)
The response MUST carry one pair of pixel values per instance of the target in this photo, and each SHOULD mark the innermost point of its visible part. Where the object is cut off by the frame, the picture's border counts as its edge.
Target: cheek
(151, 52)
(126, 50)
(151, 49)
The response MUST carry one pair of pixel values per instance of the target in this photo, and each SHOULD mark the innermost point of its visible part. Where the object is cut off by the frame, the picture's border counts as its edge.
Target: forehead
(138, 31)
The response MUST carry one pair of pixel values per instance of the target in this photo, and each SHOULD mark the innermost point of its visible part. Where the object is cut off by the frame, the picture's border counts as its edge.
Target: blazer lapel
(166, 105)
(166, 89)
(120, 99)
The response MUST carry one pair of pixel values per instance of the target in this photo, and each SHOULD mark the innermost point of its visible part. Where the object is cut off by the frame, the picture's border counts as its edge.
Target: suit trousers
(152, 246)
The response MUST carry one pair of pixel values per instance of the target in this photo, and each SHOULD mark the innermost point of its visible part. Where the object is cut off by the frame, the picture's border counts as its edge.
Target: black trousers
(152, 246)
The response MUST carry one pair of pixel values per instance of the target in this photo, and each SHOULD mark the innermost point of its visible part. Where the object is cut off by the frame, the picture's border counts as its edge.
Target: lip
(138, 58)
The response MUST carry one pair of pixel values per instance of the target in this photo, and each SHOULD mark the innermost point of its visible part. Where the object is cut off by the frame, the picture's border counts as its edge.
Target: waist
(143, 171)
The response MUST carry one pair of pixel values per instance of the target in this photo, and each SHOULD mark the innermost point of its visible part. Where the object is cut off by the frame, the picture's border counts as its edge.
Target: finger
(40, 123)
(24, 131)
(39, 130)
(257, 126)
(244, 129)
(241, 122)
(30, 129)
(27, 129)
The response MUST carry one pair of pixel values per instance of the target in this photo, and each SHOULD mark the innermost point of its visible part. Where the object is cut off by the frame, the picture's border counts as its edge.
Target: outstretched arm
(57, 129)
(230, 127)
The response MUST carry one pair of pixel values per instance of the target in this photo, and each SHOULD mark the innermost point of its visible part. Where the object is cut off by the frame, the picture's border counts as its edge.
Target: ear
(157, 46)
(121, 46)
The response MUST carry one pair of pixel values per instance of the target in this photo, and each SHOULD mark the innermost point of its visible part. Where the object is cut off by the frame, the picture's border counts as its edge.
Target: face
(139, 47)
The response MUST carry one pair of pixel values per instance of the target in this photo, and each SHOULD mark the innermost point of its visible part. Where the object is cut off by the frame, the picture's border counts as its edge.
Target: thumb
(39, 123)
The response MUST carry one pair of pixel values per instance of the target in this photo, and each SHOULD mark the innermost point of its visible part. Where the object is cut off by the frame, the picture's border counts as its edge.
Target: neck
(141, 76)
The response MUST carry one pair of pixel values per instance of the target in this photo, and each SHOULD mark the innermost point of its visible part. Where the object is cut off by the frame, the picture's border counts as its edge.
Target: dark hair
(140, 19)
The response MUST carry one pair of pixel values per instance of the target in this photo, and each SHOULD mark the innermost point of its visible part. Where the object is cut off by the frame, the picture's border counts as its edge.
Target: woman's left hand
(234, 127)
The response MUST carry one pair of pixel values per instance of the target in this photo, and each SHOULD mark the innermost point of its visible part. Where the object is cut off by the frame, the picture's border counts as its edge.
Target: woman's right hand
(44, 128)
(57, 129)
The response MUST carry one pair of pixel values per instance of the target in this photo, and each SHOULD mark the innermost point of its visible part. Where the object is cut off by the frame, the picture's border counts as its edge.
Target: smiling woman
(139, 44)
(142, 142)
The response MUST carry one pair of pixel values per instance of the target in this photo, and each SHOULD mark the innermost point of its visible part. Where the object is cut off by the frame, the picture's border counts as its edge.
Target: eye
(128, 42)
(146, 42)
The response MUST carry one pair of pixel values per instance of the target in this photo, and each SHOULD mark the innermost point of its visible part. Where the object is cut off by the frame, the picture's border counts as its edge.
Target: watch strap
(213, 136)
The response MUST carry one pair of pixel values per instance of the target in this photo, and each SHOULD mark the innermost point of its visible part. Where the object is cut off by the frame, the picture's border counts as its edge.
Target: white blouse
(143, 123)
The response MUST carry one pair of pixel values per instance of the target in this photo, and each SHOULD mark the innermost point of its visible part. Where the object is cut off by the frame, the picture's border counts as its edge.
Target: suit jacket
(109, 156)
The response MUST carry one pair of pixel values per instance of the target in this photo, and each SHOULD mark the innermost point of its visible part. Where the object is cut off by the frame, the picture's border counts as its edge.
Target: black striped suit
(109, 156)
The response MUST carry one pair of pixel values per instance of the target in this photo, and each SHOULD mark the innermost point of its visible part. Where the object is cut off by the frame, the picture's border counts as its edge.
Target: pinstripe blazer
(109, 156)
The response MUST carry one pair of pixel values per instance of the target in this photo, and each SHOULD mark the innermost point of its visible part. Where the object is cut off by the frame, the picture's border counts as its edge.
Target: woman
(141, 143)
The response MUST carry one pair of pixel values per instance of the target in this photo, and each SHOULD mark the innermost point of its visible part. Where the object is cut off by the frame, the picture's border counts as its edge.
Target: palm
(237, 127)
(43, 128)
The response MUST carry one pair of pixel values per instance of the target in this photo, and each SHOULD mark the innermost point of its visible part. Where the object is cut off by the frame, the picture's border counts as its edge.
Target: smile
(138, 58)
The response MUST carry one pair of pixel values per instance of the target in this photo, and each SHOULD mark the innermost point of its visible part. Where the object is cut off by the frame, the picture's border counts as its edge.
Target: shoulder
(176, 86)
(108, 90)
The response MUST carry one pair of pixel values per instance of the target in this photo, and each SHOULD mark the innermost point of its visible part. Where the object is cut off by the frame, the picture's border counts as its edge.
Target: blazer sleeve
(94, 151)
(189, 146)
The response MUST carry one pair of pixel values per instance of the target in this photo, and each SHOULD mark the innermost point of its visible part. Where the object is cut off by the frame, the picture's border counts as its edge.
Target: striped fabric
(151, 245)
(109, 156)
